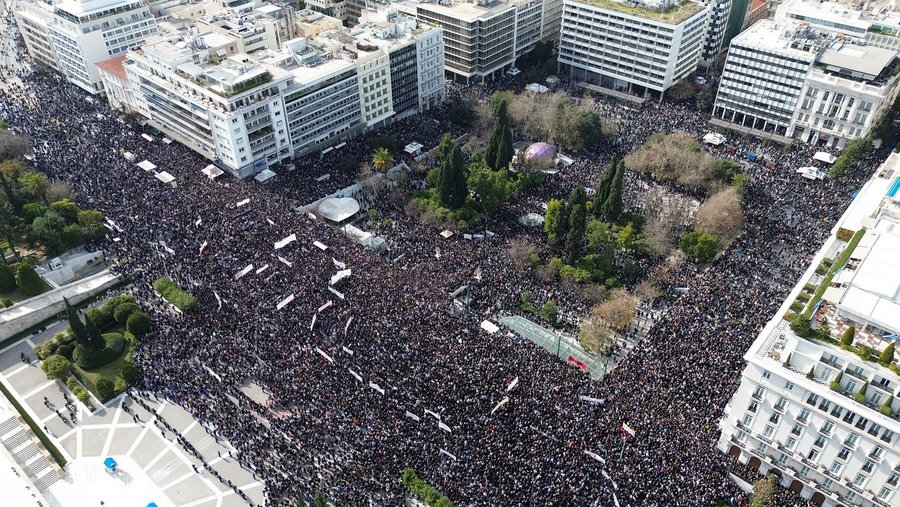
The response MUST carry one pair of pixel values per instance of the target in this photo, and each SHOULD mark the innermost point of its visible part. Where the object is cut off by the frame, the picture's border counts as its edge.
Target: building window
(781, 403)
(884, 494)
(894, 479)
(851, 439)
(775, 418)
(813, 398)
(768, 431)
(748, 420)
(789, 386)
(791, 442)
(859, 480)
(827, 427)
(868, 466)
(820, 442)
(803, 471)
(753, 407)
(836, 467)
(877, 452)
(797, 430)
(812, 455)
(804, 416)
(758, 392)
(766, 375)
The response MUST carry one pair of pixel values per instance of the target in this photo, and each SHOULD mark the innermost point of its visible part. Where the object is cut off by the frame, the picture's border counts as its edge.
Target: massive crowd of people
(387, 377)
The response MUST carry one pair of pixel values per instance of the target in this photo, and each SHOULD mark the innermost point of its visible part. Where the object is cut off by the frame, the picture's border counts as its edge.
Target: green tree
(598, 237)
(627, 236)
(66, 209)
(32, 210)
(28, 280)
(90, 217)
(500, 142)
(612, 206)
(123, 311)
(56, 367)
(72, 236)
(79, 332)
(95, 341)
(382, 160)
(699, 246)
(887, 355)
(138, 323)
(453, 191)
(550, 313)
(861, 395)
(560, 227)
(550, 218)
(589, 129)
(36, 184)
(319, 501)
(602, 191)
(575, 237)
(704, 100)
(763, 493)
(847, 336)
(7, 278)
(47, 230)
(9, 173)
(578, 197)
(446, 146)
(492, 188)
(886, 407)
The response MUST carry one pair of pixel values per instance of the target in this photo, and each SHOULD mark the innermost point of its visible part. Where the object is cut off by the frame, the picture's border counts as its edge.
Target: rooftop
(114, 66)
(865, 62)
(87, 7)
(465, 11)
(673, 13)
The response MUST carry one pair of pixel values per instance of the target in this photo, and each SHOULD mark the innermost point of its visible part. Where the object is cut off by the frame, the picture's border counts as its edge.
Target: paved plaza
(154, 466)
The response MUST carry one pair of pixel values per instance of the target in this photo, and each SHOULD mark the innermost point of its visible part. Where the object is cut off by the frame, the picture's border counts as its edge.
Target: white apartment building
(716, 26)
(73, 35)
(796, 81)
(822, 419)
(247, 112)
(483, 38)
(877, 22)
(638, 49)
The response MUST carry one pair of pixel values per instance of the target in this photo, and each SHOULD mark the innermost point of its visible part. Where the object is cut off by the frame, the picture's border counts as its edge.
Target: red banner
(577, 363)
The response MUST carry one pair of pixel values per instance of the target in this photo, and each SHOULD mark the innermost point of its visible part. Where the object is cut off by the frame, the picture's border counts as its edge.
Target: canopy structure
(110, 464)
(146, 165)
(338, 209)
(413, 148)
(324, 177)
(537, 88)
(810, 173)
(212, 172)
(489, 326)
(264, 175)
(826, 157)
(147, 137)
(166, 178)
(167, 140)
(714, 138)
(531, 219)
(129, 156)
(446, 234)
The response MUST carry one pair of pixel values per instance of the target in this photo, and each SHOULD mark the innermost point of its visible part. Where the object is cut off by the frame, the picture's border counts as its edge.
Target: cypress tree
(578, 197)
(460, 190)
(445, 182)
(612, 207)
(602, 192)
(575, 237)
(75, 324)
(95, 339)
(504, 151)
(7, 277)
(560, 227)
(501, 126)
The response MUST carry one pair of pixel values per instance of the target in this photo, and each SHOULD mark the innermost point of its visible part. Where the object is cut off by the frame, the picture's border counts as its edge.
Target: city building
(246, 112)
(875, 22)
(73, 35)
(796, 81)
(821, 411)
(252, 28)
(483, 38)
(333, 8)
(636, 48)
(717, 25)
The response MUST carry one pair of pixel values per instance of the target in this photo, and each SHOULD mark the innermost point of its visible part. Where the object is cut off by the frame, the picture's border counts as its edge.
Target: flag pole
(622, 452)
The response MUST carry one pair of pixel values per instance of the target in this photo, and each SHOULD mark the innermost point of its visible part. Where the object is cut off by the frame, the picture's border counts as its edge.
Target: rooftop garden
(674, 13)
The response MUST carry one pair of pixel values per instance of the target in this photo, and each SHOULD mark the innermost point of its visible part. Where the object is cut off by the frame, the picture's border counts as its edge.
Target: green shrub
(120, 385)
(549, 312)
(861, 395)
(885, 407)
(865, 353)
(71, 384)
(51, 346)
(7, 302)
(56, 367)
(83, 397)
(66, 350)
(810, 287)
(105, 388)
(28, 280)
(129, 373)
(138, 323)
(699, 246)
(426, 492)
(123, 311)
(798, 305)
(803, 297)
(99, 317)
(887, 355)
(86, 360)
(173, 294)
(847, 336)
(7, 278)
(41, 352)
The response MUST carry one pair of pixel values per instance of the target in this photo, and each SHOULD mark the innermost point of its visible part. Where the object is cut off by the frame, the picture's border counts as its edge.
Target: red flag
(577, 363)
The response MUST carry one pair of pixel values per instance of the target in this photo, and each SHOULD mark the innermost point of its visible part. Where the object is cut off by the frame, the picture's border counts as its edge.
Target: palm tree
(36, 184)
(382, 160)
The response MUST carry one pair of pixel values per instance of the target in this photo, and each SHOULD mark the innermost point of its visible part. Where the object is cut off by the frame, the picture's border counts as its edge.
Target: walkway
(558, 344)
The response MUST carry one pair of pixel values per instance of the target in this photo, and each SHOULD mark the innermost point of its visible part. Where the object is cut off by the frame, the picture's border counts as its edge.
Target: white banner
(313, 323)
(244, 202)
(595, 456)
(512, 384)
(376, 387)
(616, 500)
(595, 401)
(347, 325)
(356, 375)
(203, 246)
(325, 306)
(260, 270)
(199, 221)
(340, 275)
(448, 454)
(436, 416)
(218, 299)
(412, 416)
(338, 264)
(345, 349)
(286, 262)
(281, 304)
(444, 427)
(285, 242)
(270, 221)
(336, 293)
(504, 401)
(320, 246)
(326, 356)
(243, 272)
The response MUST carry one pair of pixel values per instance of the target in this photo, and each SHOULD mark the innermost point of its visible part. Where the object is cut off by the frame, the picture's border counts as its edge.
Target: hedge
(115, 344)
(138, 323)
(845, 256)
(426, 492)
(35, 428)
(173, 294)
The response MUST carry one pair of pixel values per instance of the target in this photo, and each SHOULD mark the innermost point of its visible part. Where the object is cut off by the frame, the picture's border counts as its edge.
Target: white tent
(810, 173)
(338, 209)
(413, 148)
(146, 165)
(714, 138)
(822, 156)
(446, 234)
(147, 137)
(537, 88)
(166, 178)
(489, 326)
(129, 156)
(212, 172)
(264, 175)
